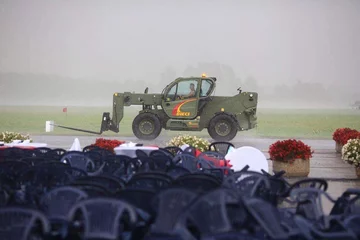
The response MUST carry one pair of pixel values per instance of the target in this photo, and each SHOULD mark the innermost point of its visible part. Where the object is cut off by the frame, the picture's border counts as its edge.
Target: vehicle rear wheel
(146, 126)
(222, 127)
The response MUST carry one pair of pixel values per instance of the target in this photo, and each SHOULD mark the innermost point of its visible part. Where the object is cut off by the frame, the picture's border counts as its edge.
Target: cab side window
(183, 89)
(205, 88)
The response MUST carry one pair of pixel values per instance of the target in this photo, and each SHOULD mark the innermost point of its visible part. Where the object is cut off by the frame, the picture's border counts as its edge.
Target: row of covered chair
(95, 160)
(148, 198)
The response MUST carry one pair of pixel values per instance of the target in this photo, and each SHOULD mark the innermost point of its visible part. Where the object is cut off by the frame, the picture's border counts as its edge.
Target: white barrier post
(49, 127)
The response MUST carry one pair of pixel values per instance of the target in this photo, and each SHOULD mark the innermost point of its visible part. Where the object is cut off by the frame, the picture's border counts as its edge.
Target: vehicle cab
(185, 97)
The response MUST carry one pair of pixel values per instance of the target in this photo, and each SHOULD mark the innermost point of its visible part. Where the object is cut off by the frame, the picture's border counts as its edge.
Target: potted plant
(8, 137)
(353, 134)
(342, 135)
(350, 153)
(292, 156)
(193, 141)
(108, 144)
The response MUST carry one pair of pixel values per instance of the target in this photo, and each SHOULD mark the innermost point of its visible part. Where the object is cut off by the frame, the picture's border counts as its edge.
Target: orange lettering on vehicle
(177, 109)
(186, 114)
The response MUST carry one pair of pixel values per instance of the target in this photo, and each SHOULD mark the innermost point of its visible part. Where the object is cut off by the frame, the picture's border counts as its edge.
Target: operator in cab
(191, 93)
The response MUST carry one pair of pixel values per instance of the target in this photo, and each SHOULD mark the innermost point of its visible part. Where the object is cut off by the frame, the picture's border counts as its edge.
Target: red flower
(107, 143)
(340, 133)
(353, 134)
(289, 150)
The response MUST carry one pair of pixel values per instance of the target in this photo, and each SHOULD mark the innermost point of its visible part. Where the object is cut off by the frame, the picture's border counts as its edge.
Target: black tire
(222, 127)
(146, 126)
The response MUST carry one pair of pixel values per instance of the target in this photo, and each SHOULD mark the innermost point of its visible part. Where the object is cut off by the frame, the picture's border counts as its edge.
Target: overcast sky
(272, 40)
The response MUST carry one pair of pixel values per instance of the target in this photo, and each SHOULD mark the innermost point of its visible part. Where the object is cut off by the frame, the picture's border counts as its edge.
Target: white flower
(351, 152)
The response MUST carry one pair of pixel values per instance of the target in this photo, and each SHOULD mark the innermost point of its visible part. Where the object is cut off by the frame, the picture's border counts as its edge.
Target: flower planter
(9, 137)
(351, 154)
(198, 143)
(338, 147)
(108, 144)
(298, 168)
(288, 155)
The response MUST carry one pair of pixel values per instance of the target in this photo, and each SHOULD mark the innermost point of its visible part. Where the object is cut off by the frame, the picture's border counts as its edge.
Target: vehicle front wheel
(222, 127)
(146, 126)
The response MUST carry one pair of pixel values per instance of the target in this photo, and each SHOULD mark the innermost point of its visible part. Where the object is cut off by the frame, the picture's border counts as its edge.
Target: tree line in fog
(40, 89)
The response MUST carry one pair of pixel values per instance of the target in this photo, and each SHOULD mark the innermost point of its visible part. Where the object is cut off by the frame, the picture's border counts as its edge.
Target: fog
(295, 53)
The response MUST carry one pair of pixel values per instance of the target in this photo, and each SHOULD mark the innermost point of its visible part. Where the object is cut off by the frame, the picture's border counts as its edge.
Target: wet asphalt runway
(326, 163)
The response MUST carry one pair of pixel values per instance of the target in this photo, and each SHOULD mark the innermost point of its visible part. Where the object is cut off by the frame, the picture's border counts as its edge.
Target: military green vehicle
(186, 104)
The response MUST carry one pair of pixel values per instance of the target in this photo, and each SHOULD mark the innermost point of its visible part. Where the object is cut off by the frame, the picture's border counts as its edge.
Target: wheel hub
(146, 127)
(222, 128)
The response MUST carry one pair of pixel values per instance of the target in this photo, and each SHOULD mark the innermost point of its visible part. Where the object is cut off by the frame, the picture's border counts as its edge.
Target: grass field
(300, 123)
